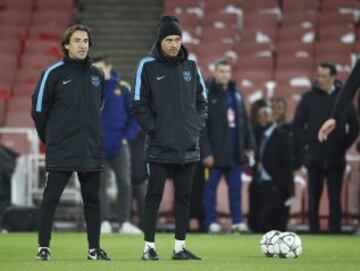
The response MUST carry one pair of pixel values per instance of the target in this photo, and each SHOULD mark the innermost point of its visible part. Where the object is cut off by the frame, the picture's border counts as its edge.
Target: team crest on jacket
(187, 75)
(95, 80)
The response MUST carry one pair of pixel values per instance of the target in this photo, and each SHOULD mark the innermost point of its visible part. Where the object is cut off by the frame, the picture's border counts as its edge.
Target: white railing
(26, 174)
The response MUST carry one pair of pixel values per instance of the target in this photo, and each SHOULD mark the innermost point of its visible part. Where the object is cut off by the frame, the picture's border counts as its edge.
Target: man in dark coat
(169, 103)
(66, 111)
(324, 160)
(225, 145)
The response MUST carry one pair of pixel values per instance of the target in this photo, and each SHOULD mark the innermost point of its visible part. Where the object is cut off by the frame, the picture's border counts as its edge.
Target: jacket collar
(80, 65)
(157, 53)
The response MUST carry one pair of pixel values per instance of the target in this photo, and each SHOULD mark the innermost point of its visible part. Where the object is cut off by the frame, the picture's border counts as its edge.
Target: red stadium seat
(225, 20)
(17, 33)
(215, 51)
(7, 76)
(27, 76)
(300, 19)
(252, 78)
(171, 6)
(2, 111)
(254, 49)
(190, 23)
(336, 5)
(255, 63)
(258, 5)
(53, 17)
(10, 47)
(224, 35)
(64, 5)
(328, 48)
(37, 61)
(34, 46)
(218, 6)
(19, 104)
(292, 6)
(16, 17)
(257, 20)
(295, 49)
(339, 33)
(45, 32)
(9, 61)
(285, 62)
(25, 89)
(293, 77)
(297, 34)
(260, 35)
(290, 92)
(6, 5)
(331, 19)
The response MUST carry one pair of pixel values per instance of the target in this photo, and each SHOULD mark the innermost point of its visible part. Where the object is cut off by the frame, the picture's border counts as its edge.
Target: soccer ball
(267, 242)
(288, 245)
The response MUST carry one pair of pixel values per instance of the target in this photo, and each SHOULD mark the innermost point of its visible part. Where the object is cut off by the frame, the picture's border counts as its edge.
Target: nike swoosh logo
(160, 77)
(66, 82)
(92, 256)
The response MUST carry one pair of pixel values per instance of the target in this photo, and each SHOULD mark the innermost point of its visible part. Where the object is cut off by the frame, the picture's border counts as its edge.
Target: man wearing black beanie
(169, 103)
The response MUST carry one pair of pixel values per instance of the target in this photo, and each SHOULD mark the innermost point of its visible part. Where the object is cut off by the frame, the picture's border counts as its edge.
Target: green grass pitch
(223, 253)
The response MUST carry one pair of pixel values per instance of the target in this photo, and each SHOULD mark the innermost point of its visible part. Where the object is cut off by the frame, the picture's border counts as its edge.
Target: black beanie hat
(168, 25)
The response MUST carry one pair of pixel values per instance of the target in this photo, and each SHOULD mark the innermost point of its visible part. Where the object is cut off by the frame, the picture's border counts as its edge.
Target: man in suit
(273, 177)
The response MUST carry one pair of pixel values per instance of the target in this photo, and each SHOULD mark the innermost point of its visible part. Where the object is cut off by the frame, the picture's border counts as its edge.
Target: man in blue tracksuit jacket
(119, 129)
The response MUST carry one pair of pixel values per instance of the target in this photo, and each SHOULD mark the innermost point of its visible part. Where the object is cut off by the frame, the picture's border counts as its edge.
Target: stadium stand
(276, 41)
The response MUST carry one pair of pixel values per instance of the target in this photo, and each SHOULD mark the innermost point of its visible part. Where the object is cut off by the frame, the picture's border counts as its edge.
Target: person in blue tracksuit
(119, 129)
(225, 145)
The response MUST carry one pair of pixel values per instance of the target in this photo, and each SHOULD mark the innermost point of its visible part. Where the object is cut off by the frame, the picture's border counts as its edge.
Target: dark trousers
(120, 163)
(138, 194)
(266, 207)
(183, 176)
(196, 203)
(56, 182)
(334, 179)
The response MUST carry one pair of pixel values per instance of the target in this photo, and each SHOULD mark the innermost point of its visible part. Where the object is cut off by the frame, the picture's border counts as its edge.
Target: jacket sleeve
(249, 139)
(286, 162)
(205, 146)
(201, 95)
(41, 103)
(132, 128)
(347, 92)
(300, 120)
(140, 104)
(353, 122)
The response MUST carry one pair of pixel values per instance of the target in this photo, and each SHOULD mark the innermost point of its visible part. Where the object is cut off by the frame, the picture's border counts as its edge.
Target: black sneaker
(43, 254)
(184, 255)
(150, 255)
(98, 254)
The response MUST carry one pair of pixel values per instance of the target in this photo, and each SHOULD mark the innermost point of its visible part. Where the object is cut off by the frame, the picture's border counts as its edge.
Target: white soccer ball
(268, 241)
(288, 245)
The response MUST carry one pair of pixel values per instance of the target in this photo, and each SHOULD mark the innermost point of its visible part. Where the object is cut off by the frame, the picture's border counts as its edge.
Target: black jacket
(66, 111)
(138, 165)
(169, 103)
(277, 160)
(347, 92)
(216, 139)
(313, 110)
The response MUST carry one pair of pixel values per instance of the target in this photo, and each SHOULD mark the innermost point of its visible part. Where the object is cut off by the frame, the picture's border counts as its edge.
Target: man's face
(78, 47)
(265, 116)
(325, 79)
(104, 67)
(171, 45)
(222, 74)
(279, 111)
